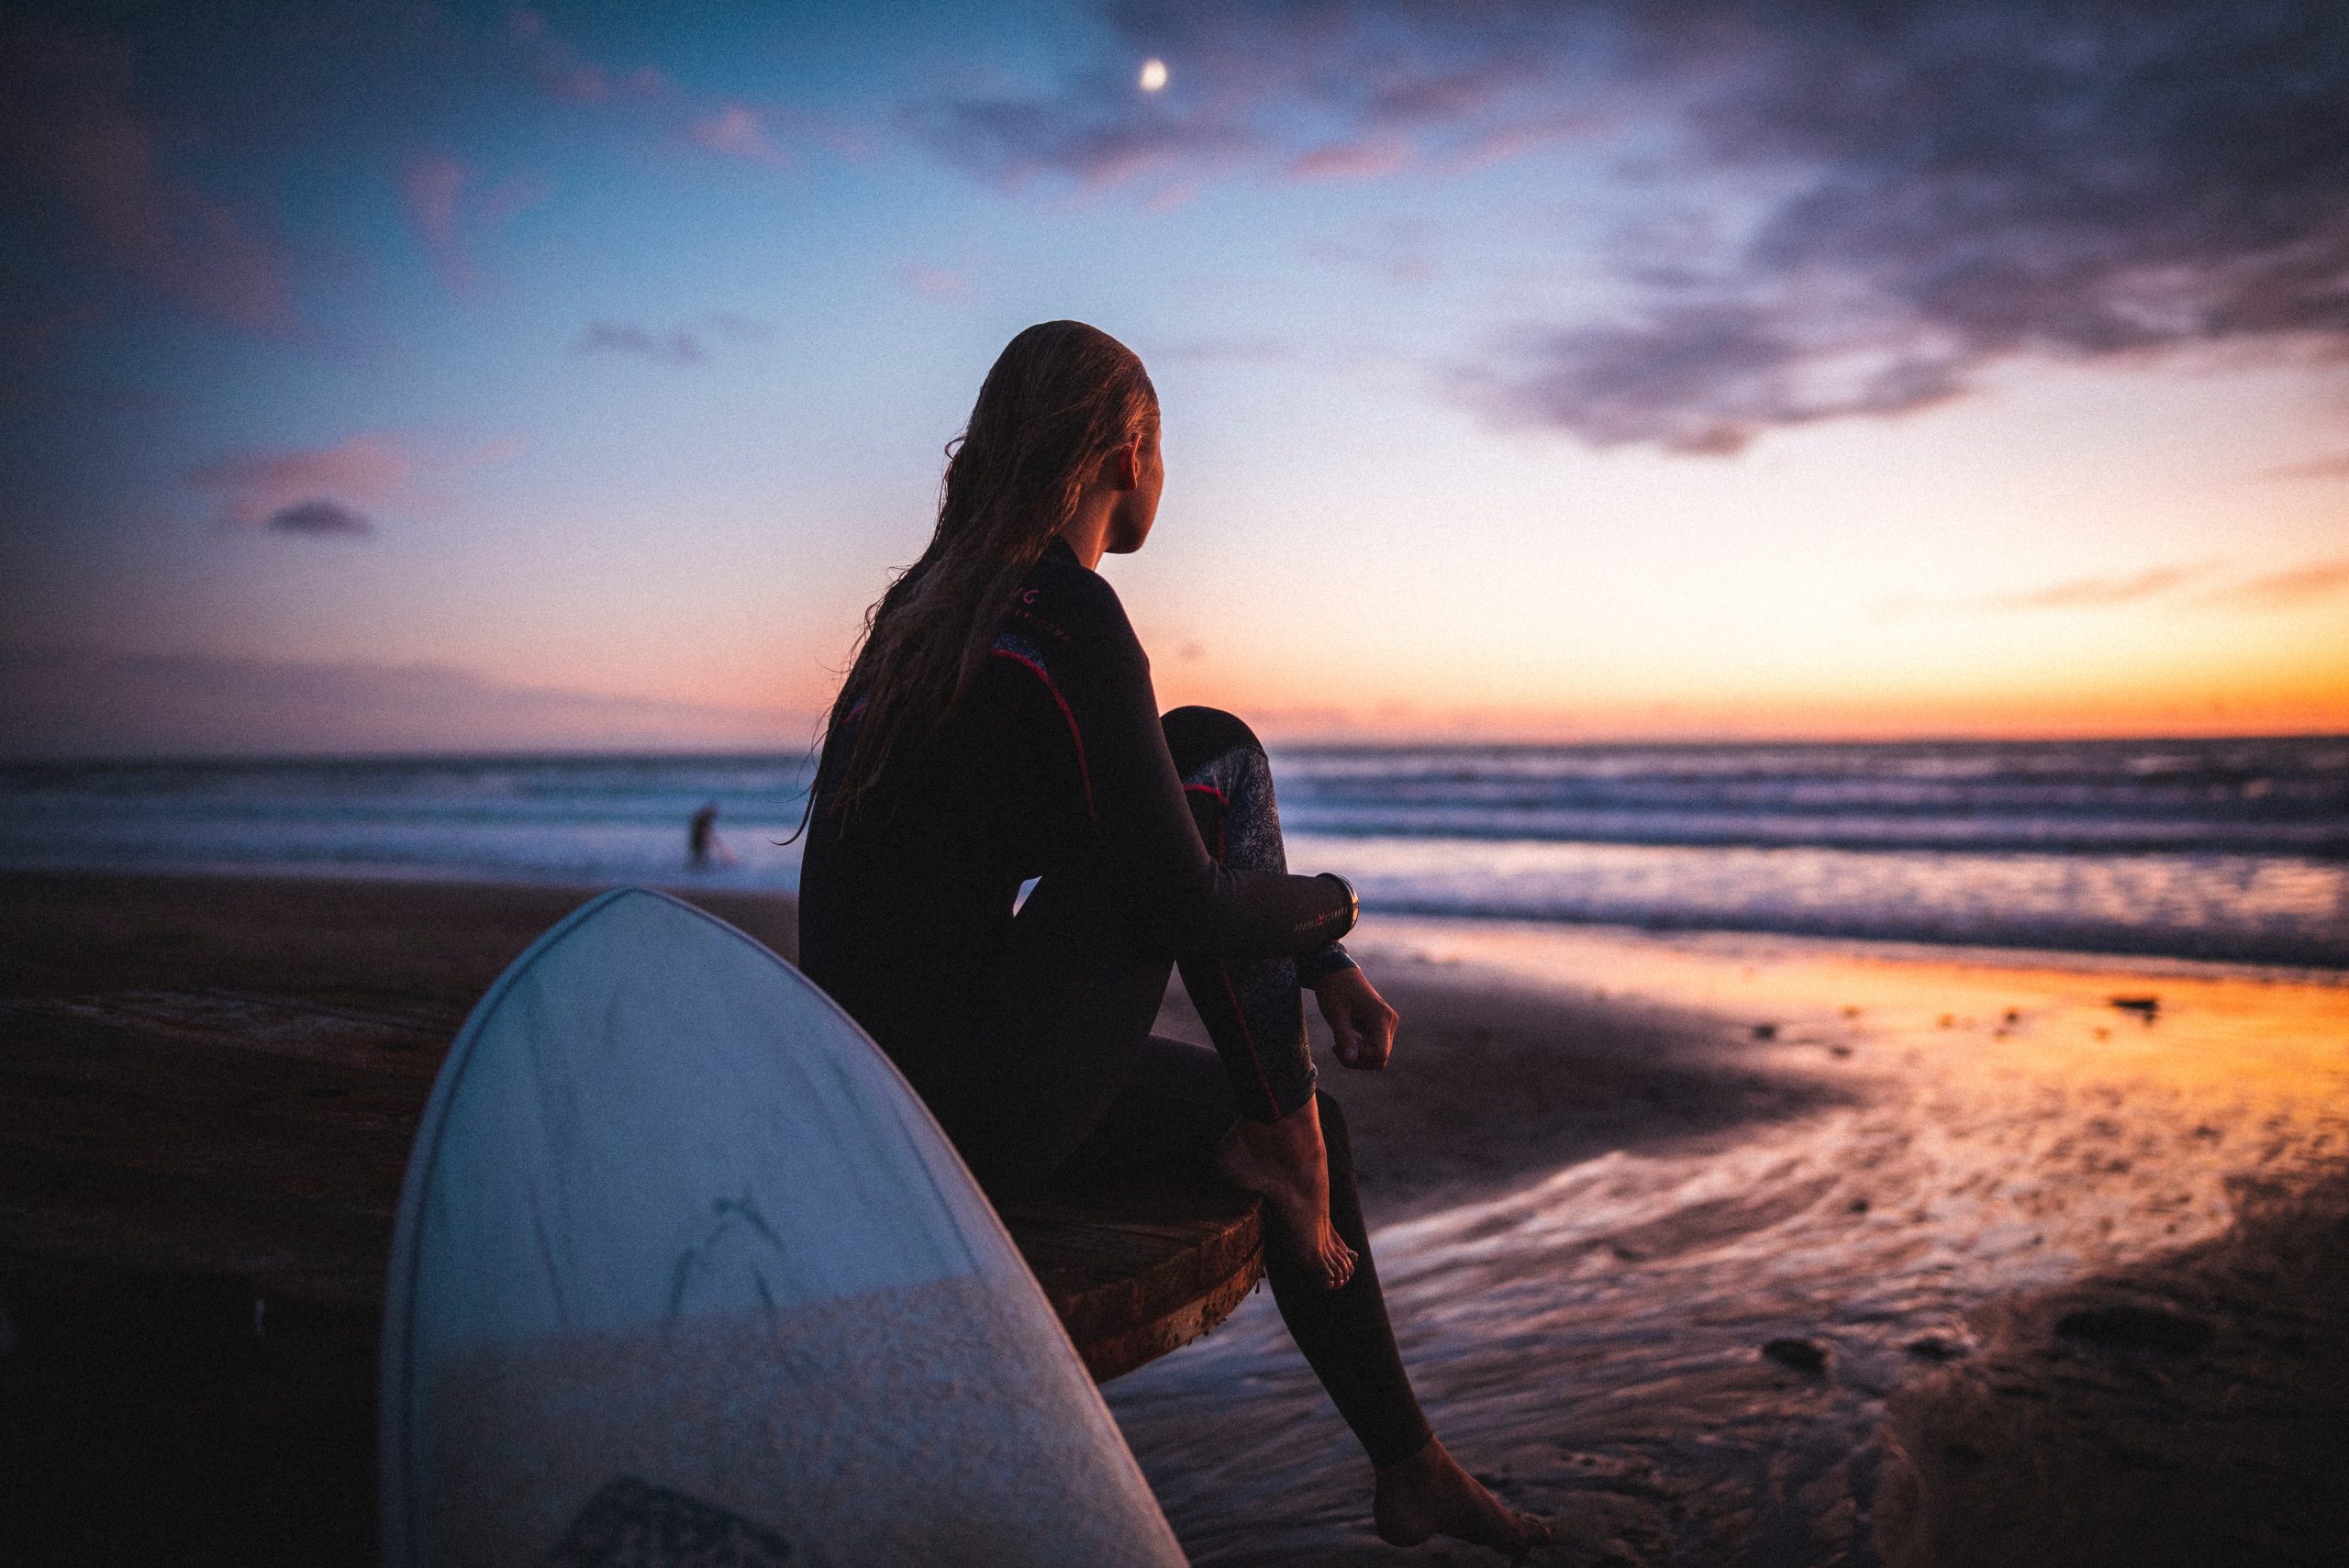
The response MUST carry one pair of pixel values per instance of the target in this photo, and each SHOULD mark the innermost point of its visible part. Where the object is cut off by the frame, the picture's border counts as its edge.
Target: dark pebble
(1766, 1031)
(1803, 1355)
(1934, 1348)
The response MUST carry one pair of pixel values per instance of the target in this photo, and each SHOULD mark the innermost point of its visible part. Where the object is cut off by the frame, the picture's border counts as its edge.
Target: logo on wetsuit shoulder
(1023, 609)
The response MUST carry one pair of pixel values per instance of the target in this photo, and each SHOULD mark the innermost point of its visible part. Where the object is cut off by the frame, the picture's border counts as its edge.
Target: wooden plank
(250, 1147)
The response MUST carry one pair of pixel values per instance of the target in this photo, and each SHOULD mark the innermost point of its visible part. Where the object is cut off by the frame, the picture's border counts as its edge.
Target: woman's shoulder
(1061, 605)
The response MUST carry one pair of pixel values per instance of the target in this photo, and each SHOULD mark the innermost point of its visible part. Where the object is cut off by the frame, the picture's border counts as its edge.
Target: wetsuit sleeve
(1316, 967)
(1178, 892)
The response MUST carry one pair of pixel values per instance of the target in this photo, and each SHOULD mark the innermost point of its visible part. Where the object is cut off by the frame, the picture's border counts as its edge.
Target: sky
(425, 377)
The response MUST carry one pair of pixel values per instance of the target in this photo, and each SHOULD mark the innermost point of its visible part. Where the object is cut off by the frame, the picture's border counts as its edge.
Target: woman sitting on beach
(998, 724)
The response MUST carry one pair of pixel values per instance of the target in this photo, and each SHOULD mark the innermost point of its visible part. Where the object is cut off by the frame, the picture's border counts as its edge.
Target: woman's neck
(1087, 533)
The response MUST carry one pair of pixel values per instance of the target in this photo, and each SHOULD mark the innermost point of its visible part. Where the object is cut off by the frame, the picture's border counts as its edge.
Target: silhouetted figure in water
(704, 848)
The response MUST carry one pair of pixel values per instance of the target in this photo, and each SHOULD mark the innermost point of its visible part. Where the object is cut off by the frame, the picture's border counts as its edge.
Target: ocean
(2233, 849)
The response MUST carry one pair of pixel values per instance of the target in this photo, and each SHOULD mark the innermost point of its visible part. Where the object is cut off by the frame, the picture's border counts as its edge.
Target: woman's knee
(1198, 734)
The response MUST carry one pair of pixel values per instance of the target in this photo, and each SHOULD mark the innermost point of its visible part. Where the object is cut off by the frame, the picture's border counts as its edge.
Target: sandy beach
(1738, 1249)
(1716, 1249)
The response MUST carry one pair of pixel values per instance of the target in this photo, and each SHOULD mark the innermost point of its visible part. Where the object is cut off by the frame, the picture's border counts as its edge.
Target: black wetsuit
(1027, 1032)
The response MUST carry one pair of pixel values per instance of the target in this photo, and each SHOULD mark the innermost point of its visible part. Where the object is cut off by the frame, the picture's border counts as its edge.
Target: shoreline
(690, 885)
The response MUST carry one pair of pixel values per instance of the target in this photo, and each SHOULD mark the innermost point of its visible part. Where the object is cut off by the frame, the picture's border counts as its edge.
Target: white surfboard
(684, 1273)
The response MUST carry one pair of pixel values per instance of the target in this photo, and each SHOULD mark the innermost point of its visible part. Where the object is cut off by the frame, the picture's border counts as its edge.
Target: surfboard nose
(672, 1218)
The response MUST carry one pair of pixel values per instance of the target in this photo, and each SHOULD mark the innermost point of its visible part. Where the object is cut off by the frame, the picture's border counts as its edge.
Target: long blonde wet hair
(1061, 398)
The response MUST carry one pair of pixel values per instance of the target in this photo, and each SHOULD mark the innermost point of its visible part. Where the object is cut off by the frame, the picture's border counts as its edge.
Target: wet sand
(2064, 1286)
(1800, 1252)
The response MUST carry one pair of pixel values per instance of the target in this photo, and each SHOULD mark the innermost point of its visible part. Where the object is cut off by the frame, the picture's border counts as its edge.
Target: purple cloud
(320, 519)
(672, 346)
(564, 73)
(258, 488)
(1930, 190)
(2334, 467)
(330, 491)
(681, 345)
(70, 130)
(449, 203)
(736, 130)
(938, 282)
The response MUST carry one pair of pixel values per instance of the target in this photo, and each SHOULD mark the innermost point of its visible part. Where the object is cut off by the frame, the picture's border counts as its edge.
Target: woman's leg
(1251, 1006)
(1180, 1104)
(1173, 1110)
(1073, 994)
(1069, 1003)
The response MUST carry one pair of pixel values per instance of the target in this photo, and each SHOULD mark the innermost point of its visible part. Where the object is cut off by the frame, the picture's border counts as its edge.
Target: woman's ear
(1125, 469)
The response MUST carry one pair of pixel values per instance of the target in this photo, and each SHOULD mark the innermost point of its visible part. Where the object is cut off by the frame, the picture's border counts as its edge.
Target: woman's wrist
(1321, 963)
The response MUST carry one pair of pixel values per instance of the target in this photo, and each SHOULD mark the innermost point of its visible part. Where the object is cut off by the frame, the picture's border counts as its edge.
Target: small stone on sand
(1802, 1355)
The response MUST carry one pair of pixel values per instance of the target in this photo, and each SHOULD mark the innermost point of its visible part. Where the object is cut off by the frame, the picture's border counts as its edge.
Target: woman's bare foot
(1428, 1494)
(1285, 1162)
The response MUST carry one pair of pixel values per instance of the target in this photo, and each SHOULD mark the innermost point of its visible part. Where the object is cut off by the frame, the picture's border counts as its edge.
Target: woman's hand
(1359, 1018)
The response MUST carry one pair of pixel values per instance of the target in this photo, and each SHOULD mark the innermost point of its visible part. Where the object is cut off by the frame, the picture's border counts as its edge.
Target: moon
(1154, 75)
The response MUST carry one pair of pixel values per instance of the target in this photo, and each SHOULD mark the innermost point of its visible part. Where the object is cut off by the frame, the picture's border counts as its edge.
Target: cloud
(2097, 592)
(681, 345)
(670, 346)
(257, 487)
(448, 204)
(68, 129)
(1352, 161)
(734, 323)
(649, 98)
(325, 491)
(938, 282)
(320, 519)
(736, 131)
(1921, 191)
(432, 187)
(2288, 589)
(88, 702)
(1972, 183)
(1397, 250)
(564, 73)
(1293, 89)
(2334, 467)
(2308, 584)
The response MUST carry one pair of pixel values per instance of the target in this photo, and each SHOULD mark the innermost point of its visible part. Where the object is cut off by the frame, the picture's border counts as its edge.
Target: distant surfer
(999, 724)
(704, 848)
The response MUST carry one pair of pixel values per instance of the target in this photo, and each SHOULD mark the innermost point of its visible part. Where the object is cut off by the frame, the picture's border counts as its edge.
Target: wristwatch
(1354, 904)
